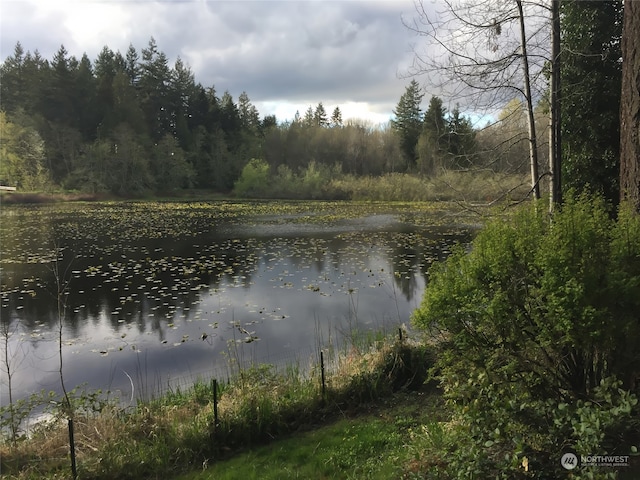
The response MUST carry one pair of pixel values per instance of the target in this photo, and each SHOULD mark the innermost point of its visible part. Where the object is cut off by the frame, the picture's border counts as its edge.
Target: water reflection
(187, 292)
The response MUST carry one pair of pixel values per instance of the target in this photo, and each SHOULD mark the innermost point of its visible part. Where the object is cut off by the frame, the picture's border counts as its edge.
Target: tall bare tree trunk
(555, 150)
(533, 141)
(630, 106)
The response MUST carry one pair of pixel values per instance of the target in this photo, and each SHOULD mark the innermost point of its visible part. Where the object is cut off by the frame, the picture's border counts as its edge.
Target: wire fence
(317, 363)
(302, 360)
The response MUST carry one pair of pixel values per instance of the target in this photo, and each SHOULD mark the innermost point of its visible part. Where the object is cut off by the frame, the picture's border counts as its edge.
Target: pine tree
(408, 121)
(154, 90)
(307, 121)
(12, 85)
(132, 66)
(249, 115)
(320, 116)
(461, 143)
(336, 118)
(432, 143)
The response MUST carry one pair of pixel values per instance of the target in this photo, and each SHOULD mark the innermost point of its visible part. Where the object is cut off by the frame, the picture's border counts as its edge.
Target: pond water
(141, 295)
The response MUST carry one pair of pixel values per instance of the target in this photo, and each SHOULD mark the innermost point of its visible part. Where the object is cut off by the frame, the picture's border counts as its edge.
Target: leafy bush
(538, 328)
(254, 179)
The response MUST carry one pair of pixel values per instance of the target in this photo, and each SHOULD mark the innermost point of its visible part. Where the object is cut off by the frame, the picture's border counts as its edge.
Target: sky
(286, 55)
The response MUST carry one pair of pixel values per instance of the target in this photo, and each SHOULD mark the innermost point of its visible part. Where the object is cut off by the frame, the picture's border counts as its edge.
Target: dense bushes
(539, 332)
(319, 181)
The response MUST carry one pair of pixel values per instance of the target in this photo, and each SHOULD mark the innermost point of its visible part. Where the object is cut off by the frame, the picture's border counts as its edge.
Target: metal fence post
(72, 447)
(324, 388)
(214, 386)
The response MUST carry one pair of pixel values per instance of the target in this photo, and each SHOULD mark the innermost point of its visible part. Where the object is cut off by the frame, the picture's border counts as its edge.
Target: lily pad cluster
(142, 277)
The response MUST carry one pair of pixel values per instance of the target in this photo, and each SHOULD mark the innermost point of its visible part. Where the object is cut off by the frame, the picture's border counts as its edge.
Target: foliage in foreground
(168, 435)
(539, 353)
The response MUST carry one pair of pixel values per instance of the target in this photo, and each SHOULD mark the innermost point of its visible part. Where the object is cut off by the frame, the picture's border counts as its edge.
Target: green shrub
(538, 328)
(254, 179)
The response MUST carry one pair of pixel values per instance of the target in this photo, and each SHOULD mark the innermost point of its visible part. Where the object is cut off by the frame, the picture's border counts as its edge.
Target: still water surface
(154, 293)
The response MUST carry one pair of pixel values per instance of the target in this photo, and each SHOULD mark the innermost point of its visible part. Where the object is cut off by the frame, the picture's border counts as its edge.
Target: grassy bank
(371, 442)
(164, 437)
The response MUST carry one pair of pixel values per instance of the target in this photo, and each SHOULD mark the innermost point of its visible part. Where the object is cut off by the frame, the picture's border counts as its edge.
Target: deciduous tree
(22, 156)
(485, 52)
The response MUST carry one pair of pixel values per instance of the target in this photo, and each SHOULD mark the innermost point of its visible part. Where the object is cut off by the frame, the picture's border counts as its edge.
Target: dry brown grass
(461, 186)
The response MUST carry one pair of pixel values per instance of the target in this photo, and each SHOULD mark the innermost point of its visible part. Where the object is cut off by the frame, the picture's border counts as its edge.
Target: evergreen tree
(336, 118)
(408, 121)
(432, 142)
(125, 109)
(461, 143)
(182, 90)
(84, 101)
(199, 108)
(269, 122)
(132, 67)
(229, 117)
(12, 86)
(249, 116)
(57, 106)
(169, 168)
(591, 82)
(104, 69)
(154, 91)
(308, 119)
(214, 117)
(320, 116)
(435, 122)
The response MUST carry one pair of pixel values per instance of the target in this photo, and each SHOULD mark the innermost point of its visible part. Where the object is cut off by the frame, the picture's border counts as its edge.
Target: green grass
(371, 443)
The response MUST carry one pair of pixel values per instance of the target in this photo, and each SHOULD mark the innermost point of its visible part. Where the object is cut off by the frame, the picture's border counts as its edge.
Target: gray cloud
(277, 51)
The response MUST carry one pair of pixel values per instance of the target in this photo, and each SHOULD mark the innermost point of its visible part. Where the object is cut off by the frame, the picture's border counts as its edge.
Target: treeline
(122, 123)
(131, 123)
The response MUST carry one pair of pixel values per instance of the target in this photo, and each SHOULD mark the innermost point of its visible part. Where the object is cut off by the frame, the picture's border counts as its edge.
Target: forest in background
(132, 124)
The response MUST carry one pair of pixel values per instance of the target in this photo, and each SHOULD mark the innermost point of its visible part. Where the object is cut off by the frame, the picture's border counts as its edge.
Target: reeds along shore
(193, 426)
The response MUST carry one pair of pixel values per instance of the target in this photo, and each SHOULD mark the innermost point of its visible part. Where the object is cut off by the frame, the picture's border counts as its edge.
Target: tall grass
(319, 181)
(177, 430)
(483, 186)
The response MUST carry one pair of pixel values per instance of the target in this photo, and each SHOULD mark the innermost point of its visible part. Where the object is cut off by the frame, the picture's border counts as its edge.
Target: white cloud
(284, 110)
(90, 23)
(286, 53)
